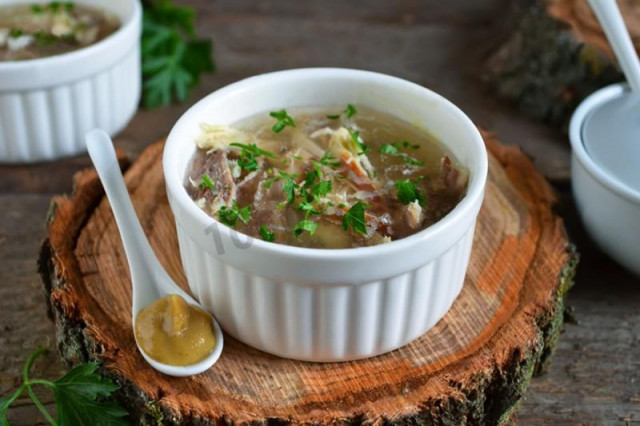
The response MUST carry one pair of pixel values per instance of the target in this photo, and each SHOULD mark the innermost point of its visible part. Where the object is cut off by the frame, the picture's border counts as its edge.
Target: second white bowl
(326, 305)
(48, 104)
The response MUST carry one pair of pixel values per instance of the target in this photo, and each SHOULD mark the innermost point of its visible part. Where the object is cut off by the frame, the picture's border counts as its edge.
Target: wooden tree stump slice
(472, 368)
(555, 55)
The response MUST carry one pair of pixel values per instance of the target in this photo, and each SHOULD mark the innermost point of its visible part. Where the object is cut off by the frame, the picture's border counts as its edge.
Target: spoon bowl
(149, 280)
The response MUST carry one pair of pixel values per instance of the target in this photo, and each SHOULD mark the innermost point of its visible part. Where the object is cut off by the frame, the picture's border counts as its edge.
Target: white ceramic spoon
(611, 132)
(149, 280)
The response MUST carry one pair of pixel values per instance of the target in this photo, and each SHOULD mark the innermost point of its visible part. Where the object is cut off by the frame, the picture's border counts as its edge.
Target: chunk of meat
(223, 177)
(452, 178)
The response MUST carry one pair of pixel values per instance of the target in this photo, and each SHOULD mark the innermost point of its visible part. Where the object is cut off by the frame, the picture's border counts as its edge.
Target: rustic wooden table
(595, 374)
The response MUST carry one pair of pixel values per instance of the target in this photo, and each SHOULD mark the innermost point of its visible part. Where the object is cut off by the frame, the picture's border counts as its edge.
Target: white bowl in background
(322, 304)
(609, 208)
(48, 104)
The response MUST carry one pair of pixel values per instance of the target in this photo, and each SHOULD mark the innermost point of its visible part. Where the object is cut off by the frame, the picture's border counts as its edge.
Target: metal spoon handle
(614, 27)
(142, 261)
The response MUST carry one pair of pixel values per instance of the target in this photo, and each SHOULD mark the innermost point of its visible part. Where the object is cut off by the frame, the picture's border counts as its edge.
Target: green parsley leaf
(172, 58)
(247, 161)
(350, 111)
(80, 396)
(230, 215)
(387, 148)
(289, 189)
(15, 32)
(329, 160)
(305, 225)
(76, 397)
(36, 8)
(283, 120)
(311, 178)
(321, 189)
(253, 149)
(355, 218)
(206, 182)
(407, 192)
(266, 234)
(68, 6)
(307, 208)
(355, 137)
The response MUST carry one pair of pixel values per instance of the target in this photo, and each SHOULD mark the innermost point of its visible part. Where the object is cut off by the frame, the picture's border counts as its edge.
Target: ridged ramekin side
(49, 123)
(317, 322)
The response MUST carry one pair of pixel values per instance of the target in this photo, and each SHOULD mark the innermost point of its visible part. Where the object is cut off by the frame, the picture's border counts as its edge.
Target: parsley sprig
(206, 182)
(172, 57)
(355, 218)
(355, 137)
(283, 120)
(349, 112)
(394, 149)
(79, 396)
(247, 159)
(230, 215)
(407, 192)
(267, 234)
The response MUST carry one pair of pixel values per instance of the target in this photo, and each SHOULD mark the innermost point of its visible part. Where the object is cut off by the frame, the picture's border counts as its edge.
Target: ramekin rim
(577, 144)
(92, 49)
(474, 194)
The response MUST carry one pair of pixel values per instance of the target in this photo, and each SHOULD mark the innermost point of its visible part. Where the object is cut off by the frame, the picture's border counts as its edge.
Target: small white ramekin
(609, 209)
(314, 304)
(48, 104)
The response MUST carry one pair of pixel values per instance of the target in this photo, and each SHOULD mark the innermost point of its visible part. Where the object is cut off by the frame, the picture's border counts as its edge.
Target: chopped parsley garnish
(311, 178)
(289, 189)
(355, 137)
(388, 148)
(206, 182)
(15, 32)
(267, 234)
(329, 160)
(307, 208)
(36, 8)
(349, 112)
(247, 160)
(321, 189)
(305, 225)
(394, 149)
(230, 215)
(354, 218)
(284, 120)
(408, 192)
(253, 149)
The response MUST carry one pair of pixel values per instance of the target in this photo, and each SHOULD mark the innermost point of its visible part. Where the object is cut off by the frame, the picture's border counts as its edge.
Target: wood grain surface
(472, 367)
(593, 378)
(555, 55)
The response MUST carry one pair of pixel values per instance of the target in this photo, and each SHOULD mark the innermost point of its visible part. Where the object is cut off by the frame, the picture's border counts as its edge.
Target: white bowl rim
(121, 35)
(475, 189)
(575, 136)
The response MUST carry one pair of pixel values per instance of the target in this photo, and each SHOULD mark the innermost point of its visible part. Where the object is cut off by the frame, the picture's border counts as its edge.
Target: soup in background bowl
(38, 30)
(313, 303)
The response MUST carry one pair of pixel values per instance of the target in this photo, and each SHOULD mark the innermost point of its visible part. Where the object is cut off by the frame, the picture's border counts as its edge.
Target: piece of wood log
(555, 55)
(472, 368)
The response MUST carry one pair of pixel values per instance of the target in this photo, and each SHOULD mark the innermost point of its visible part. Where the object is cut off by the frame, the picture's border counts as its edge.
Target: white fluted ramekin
(48, 104)
(610, 209)
(314, 304)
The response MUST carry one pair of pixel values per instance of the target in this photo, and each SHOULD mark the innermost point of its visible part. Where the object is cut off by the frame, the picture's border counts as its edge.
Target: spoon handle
(614, 27)
(143, 264)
